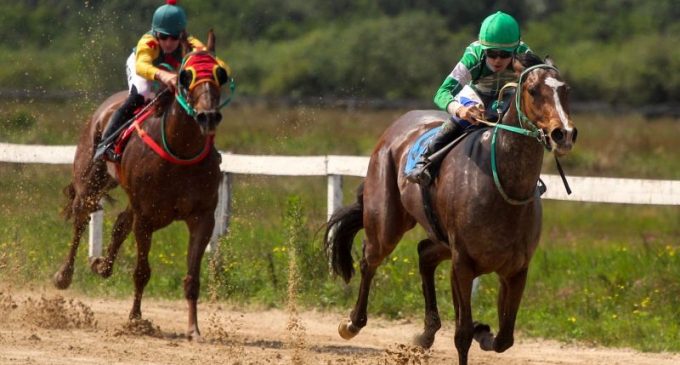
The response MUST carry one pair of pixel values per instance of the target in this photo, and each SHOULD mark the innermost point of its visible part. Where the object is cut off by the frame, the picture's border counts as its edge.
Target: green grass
(604, 274)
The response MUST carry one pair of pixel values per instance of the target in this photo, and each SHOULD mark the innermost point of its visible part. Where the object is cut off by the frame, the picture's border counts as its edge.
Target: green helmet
(499, 31)
(169, 19)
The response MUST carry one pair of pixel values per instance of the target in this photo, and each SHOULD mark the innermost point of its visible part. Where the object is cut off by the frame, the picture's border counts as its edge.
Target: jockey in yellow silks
(155, 60)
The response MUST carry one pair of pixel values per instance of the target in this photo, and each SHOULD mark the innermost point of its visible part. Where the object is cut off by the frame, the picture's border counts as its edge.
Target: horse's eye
(221, 75)
(534, 91)
(185, 78)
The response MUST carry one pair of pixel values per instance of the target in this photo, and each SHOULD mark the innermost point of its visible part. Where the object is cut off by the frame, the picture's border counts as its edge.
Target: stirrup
(107, 153)
(420, 174)
(101, 150)
(112, 156)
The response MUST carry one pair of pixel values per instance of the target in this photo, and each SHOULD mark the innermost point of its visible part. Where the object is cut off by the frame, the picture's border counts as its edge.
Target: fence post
(96, 233)
(222, 211)
(334, 194)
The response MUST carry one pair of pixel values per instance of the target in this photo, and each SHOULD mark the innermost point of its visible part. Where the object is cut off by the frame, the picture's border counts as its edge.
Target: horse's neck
(519, 158)
(182, 133)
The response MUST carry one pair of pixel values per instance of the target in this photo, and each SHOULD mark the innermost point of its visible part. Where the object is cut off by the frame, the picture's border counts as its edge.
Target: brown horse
(160, 190)
(486, 228)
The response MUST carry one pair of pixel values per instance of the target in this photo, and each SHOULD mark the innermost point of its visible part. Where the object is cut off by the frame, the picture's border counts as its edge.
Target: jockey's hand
(169, 79)
(471, 113)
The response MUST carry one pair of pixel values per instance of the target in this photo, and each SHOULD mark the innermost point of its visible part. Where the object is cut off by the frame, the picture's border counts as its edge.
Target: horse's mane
(529, 59)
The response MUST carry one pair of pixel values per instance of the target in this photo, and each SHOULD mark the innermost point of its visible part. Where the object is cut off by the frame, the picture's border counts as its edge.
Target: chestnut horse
(488, 224)
(182, 185)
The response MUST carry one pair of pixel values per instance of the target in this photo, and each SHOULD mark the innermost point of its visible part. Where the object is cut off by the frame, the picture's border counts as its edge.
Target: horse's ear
(549, 61)
(184, 40)
(517, 66)
(211, 41)
(185, 78)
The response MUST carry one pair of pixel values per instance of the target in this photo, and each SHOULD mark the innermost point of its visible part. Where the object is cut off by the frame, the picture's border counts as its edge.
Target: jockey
(159, 46)
(476, 80)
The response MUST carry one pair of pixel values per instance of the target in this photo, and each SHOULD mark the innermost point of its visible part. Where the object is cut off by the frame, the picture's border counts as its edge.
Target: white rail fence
(585, 189)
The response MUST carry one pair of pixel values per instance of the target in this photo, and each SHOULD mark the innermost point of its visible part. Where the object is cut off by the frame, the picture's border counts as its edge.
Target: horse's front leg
(121, 229)
(143, 233)
(200, 231)
(430, 254)
(461, 285)
(509, 299)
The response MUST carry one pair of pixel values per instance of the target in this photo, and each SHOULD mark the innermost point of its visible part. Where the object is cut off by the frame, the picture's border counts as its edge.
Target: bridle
(204, 68)
(527, 128)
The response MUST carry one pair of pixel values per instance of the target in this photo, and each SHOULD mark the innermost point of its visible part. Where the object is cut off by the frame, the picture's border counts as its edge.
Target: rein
(532, 131)
(165, 153)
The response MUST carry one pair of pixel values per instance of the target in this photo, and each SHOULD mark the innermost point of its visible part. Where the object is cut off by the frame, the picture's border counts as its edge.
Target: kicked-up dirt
(51, 327)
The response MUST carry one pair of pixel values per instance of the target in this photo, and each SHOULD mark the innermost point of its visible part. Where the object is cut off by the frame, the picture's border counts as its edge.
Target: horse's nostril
(218, 117)
(573, 135)
(202, 118)
(557, 135)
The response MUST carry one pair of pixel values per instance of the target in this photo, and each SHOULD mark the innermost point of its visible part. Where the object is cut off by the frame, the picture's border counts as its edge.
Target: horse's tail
(340, 231)
(70, 192)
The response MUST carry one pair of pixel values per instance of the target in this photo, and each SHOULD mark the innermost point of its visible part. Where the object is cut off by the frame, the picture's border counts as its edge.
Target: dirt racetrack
(50, 327)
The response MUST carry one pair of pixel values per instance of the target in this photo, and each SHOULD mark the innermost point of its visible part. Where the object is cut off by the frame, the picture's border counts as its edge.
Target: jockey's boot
(124, 113)
(421, 173)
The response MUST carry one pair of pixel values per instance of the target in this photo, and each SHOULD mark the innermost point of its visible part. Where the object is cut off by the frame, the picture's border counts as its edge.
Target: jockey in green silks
(476, 80)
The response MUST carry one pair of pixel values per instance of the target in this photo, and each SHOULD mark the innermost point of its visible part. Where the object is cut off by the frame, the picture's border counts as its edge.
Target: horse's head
(543, 101)
(199, 90)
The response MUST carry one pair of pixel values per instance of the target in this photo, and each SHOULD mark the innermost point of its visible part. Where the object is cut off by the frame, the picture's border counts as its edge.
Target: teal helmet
(499, 31)
(169, 19)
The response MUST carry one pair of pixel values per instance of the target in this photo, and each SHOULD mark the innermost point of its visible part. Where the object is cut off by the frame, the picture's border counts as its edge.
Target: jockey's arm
(147, 51)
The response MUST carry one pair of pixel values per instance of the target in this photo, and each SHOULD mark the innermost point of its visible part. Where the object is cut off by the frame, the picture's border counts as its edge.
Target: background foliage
(605, 274)
(618, 51)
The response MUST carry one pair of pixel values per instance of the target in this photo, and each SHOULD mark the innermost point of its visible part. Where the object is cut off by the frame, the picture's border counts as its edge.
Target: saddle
(495, 109)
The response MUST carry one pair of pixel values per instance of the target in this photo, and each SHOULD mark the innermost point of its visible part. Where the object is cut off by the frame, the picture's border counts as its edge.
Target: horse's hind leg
(62, 278)
(200, 231)
(121, 229)
(143, 232)
(430, 254)
(80, 209)
(373, 256)
(385, 222)
(358, 317)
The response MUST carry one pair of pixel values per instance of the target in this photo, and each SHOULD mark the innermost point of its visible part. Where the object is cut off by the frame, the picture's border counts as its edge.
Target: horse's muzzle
(563, 140)
(208, 120)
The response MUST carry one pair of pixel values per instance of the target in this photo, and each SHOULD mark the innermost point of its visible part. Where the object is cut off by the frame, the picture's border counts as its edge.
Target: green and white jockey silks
(473, 70)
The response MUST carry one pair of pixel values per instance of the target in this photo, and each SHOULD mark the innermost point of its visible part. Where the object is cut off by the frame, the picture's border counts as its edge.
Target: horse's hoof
(424, 340)
(194, 336)
(482, 334)
(62, 278)
(101, 267)
(348, 330)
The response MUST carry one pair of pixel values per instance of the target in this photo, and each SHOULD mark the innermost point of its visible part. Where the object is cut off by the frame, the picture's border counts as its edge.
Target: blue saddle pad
(417, 149)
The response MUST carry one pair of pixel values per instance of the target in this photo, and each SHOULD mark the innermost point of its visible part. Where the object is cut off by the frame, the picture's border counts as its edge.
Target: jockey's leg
(451, 129)
(120, 116)
(141, 89)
